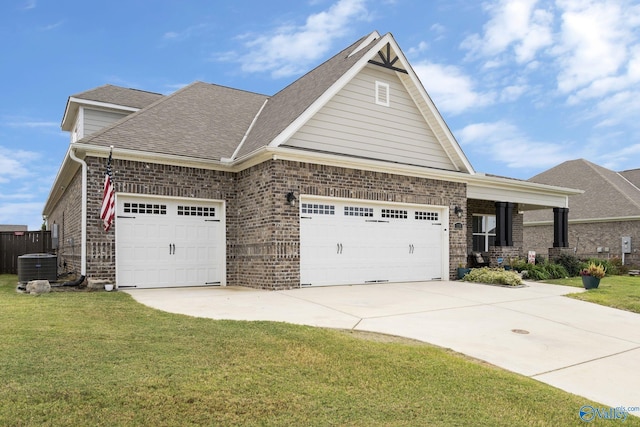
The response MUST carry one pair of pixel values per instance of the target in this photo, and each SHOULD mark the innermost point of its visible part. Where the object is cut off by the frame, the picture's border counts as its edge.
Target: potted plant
(591, 275)
(462, 270)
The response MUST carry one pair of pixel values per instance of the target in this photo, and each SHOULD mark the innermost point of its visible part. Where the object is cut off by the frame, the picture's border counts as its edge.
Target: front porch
(495, 230)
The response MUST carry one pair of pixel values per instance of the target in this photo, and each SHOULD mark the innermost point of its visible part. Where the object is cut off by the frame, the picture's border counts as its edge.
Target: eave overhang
(527, 194)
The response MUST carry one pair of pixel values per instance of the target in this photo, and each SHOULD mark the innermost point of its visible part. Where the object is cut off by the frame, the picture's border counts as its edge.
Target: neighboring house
(348, 175)
(10, 227)
(606, 212)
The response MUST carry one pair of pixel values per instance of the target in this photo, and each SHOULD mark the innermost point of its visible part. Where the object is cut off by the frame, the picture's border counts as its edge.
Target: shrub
(536, 272)
(609, 265)
(595, 270)
(519, 264)
(496, 276)
(571, 263)
(544, 271)
(556, 271)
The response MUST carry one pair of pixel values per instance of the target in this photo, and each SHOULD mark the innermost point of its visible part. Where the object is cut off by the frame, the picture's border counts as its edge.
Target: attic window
(382, 94)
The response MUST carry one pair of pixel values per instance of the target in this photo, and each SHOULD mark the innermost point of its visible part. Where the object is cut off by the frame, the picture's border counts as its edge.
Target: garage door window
(394, 213)
(314, 208)
(196, 211)
(358, 211)
(426, 216)
(145, 208)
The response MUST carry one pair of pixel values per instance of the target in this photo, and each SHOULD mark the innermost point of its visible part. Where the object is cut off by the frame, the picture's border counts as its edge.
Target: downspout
(83, 248)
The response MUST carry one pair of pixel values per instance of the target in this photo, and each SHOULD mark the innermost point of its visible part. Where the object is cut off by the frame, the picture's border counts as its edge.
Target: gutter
(83, 249)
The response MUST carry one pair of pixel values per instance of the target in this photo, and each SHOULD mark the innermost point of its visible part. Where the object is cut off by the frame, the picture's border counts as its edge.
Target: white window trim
(382, 94)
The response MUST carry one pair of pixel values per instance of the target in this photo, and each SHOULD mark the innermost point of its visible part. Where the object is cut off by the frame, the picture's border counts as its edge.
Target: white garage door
(350, 242)
(169, 242)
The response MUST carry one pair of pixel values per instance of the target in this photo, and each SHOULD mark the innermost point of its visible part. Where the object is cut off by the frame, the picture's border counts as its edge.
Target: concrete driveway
(583, 348)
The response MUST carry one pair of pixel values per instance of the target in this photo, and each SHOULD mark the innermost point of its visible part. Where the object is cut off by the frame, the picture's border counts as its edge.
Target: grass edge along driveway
(622, 292)
(99, 358)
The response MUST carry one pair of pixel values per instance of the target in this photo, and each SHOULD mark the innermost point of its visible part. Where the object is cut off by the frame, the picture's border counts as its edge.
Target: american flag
(108, 209)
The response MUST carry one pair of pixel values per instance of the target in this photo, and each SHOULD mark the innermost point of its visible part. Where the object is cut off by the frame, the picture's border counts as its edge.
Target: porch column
(504, 224)
(560, 227)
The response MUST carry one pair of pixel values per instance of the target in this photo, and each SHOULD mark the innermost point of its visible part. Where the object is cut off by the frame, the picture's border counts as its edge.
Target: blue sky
(523, 85)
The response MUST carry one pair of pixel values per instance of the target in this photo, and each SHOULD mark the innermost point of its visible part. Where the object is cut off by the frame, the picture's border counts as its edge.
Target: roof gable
(607, 194)
(355, 122)
(108, 97)
(289, 110)
(202, 120)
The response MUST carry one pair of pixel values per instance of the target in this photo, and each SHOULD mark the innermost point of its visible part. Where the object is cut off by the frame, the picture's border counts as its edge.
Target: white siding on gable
(94, 120)
(353, 123)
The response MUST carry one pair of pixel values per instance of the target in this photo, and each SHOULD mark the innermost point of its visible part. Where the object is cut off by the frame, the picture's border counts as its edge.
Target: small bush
(495, 276)
(571, 263)
(595, 270)
(536, 272)
(544, 271)
(609, 265)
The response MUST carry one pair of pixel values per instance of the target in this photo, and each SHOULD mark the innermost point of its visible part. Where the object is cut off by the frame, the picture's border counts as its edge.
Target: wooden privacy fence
(16, 243)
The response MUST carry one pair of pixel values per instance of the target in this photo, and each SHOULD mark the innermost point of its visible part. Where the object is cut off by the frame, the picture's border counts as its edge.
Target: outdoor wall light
(291, 198)
(458, 211)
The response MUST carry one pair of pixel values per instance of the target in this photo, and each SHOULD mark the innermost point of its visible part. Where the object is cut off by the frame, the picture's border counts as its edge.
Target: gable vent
(382, 94)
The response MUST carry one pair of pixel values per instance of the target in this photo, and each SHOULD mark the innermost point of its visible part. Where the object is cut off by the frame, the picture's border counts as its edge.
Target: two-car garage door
(164, 242)
(349, 242)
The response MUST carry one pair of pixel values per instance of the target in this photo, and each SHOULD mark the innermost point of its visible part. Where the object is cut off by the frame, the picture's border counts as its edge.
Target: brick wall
(331, 181)
(263, 230)
(588, 237)
(67, 214)
(146, 179)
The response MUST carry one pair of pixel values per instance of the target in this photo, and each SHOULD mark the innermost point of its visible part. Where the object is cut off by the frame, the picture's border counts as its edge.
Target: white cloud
(595, 43)
(26, 123)
(184, 34)
(452, 91)
(29, 4)
(512, 93)
(422, 46)
(290, 49)
(15, 164)
(52, 26)
(514, 24)
(504, 143)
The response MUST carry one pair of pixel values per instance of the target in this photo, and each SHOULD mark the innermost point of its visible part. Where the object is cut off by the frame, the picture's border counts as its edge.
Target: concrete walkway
(583, 348)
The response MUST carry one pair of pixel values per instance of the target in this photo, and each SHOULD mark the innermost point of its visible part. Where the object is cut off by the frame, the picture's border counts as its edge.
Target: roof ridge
(129, 117)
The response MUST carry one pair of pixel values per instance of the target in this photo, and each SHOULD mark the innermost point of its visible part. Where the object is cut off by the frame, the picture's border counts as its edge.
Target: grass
(621, 292)
(101, 359)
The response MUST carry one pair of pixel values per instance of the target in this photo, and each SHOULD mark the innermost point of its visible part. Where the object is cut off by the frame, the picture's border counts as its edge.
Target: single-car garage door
(164, 242)
(349, 242)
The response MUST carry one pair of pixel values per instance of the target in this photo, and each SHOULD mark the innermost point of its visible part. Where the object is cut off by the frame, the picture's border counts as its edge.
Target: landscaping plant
(496, 276)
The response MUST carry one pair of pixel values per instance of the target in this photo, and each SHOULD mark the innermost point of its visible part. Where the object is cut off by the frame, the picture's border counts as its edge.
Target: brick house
(348, 175)
(602, 217)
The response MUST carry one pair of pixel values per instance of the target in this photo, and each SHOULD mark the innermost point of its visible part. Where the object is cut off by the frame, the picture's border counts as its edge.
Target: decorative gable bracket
(387, 62)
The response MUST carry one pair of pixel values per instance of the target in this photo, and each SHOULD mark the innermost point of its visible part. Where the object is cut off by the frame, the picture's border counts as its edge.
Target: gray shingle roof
(633, 176)
(288, 104)
(120, 96)
(201, 120)
(606, 193)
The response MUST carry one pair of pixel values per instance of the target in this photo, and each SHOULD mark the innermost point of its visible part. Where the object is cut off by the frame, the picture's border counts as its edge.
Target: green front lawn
(621, 292)
(101, 359)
